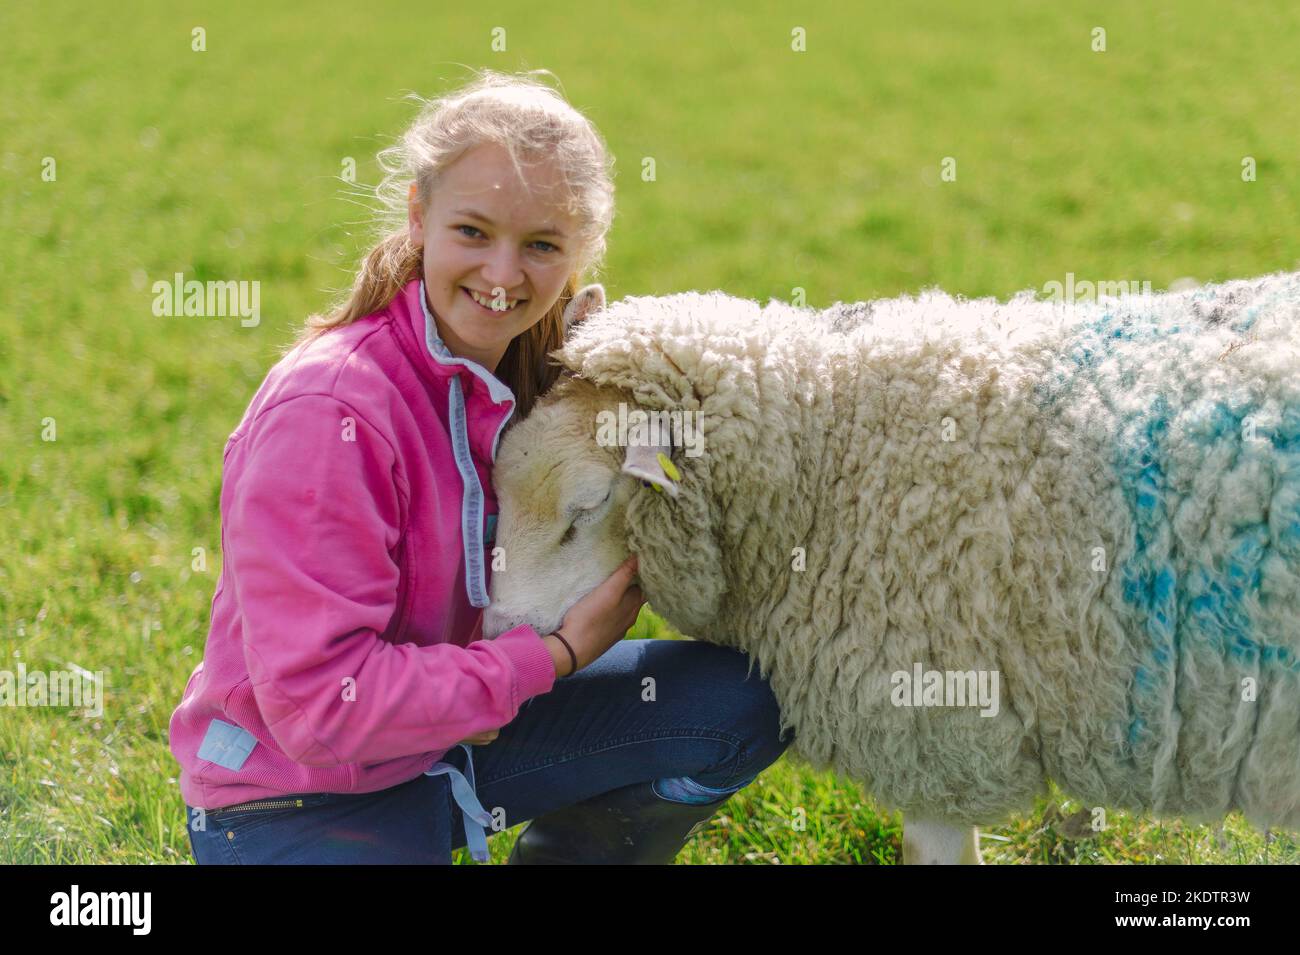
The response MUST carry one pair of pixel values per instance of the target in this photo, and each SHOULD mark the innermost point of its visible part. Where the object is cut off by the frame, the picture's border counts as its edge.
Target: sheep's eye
(585, 516)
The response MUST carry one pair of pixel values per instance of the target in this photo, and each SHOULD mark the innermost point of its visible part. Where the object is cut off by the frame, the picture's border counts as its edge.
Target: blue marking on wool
(1135, 730)
(1214, 598)
(1209, 606)
(1217, 608)
(1287, 436)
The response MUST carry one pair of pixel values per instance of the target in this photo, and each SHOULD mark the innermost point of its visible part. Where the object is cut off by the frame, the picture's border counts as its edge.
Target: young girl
(345, 677)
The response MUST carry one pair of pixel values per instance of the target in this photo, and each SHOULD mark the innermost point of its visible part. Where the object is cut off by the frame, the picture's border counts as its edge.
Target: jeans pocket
(248, 816)
(404, 824)
(208, 847)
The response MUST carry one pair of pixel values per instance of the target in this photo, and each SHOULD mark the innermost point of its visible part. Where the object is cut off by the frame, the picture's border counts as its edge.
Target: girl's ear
(414, 218)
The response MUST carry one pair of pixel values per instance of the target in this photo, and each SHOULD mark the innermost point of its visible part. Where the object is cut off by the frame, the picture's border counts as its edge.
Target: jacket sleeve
(309, 531)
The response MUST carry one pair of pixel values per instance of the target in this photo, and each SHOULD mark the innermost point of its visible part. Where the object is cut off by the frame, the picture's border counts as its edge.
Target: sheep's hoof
(931, 842)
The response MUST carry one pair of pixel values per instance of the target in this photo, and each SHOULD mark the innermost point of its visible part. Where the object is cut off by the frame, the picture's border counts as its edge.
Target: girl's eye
(549, 246)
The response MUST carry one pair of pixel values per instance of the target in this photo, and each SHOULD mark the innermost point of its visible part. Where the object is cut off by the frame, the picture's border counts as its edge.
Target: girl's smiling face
(484, 232)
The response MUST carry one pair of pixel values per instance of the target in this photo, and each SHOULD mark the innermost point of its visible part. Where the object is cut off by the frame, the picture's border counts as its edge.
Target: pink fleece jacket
(343, 638)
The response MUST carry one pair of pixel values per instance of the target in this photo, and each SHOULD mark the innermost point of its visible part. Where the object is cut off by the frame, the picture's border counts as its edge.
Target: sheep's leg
(930, 842)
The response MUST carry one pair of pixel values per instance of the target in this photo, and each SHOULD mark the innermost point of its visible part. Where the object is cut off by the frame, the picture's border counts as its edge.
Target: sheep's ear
(653, 463)
(586, 300)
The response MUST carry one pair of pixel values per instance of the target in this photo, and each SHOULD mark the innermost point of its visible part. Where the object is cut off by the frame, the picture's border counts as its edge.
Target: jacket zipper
(263, 804)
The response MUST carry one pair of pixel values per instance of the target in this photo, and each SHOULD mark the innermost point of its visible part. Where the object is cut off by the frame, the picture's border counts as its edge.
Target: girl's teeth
(488, 304)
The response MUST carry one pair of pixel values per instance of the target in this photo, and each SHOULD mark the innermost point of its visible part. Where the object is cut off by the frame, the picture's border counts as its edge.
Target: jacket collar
(413, 310)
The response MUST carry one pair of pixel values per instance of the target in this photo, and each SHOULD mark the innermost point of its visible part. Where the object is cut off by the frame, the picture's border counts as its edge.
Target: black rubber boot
(628, 826)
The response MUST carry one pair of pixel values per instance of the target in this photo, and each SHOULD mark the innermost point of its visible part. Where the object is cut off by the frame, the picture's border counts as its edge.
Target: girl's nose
(502, 269)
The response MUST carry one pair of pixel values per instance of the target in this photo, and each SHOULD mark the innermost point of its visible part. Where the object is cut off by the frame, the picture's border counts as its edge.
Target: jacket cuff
(534, 668)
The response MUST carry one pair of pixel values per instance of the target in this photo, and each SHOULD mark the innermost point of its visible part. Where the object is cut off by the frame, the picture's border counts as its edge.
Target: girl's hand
(598, 620)
(482, 739)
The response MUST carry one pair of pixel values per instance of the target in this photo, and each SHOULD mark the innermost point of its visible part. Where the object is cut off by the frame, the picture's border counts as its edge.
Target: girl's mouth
(489, 309)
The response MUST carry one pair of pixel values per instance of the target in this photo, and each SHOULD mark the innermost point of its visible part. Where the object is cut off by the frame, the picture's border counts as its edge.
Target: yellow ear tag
(669, 468)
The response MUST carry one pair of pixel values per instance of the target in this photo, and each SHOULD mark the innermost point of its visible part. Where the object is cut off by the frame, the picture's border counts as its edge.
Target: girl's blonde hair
(532, 122)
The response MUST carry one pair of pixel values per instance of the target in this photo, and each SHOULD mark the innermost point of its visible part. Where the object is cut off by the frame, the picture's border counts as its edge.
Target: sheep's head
(573, 505)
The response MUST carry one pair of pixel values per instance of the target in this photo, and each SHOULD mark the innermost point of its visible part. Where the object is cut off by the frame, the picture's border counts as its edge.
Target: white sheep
(1088, 512)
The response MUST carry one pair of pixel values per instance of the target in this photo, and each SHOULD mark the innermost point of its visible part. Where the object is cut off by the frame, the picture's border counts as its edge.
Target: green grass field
(776, 169)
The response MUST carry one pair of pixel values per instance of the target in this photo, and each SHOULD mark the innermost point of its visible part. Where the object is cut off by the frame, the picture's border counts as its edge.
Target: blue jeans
(700, 731)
